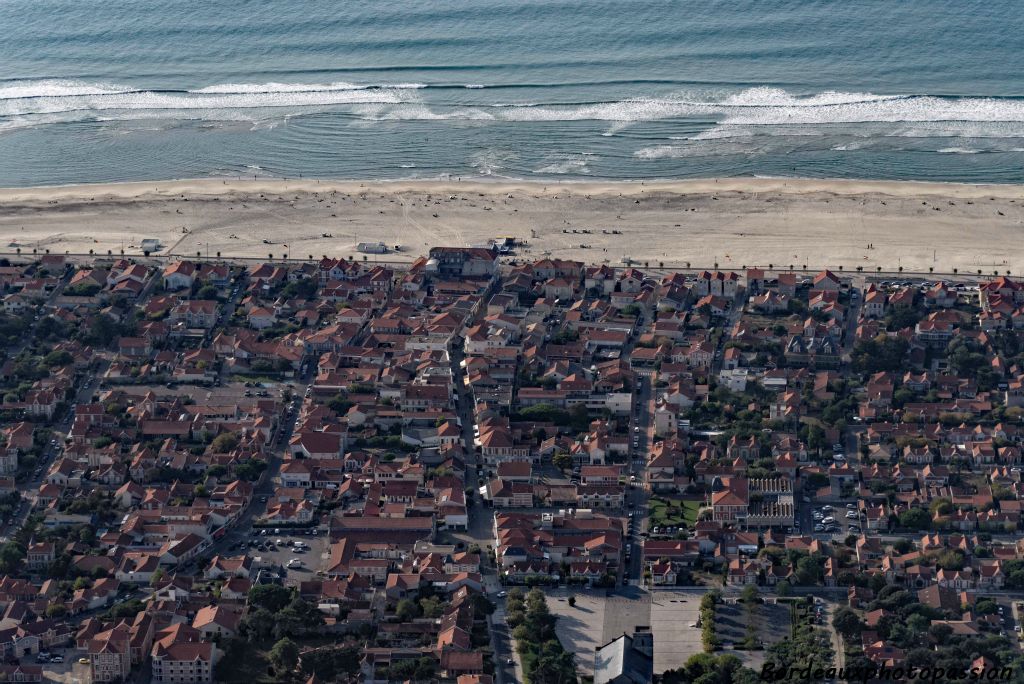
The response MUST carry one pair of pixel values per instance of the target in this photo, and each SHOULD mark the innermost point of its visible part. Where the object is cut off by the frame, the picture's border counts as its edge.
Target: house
(195, 313)
(261, 318)
(462, 262)
(179, 275)
(628, 659)
(39, 556)
(181, 656)
(214, 621)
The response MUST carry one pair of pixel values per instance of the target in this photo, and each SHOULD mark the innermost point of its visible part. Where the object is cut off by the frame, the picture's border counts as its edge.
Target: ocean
(529, 89)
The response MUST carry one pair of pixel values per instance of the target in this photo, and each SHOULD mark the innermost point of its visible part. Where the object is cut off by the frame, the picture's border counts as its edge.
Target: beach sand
(729, 222)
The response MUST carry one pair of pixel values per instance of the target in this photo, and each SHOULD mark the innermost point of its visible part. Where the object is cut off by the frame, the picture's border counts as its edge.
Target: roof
(620, 661)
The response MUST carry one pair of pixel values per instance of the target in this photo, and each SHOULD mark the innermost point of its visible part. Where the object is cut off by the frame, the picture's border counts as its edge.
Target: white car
(295, 563)
(851, 514)
(828, 521)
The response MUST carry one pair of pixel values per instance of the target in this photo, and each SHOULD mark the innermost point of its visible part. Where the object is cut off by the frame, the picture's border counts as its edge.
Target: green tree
(879, 354)
(284, 655)
(271, 597)
(431, 607)
(406, 610)
(11, 555)
(224, 443)
(915, 519)
(562, 460)
(56, 610)
(156, 577)
(847, 622)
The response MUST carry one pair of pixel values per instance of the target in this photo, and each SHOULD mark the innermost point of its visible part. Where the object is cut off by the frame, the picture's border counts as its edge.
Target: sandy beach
(731, 222)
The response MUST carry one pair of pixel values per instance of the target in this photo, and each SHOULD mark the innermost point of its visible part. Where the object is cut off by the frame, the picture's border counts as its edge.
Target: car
(509, 661)
(828, 520)
(851, 506)
(502, 594)
(819, 528)
(83, 661)
(826, 508)
(837, 447)
(636, 428)
(57, 659)
(854, 528)
(295, 563)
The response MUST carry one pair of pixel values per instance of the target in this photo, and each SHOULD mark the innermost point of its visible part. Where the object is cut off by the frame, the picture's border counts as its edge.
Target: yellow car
(83, 661)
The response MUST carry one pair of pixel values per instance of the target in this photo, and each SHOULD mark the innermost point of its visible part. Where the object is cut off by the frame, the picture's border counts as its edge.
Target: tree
(879, 354)
(847, 622)
(915, 519)
(572, 601)
(284, 655)
(951, 559)
(431, 607)
(224, 443)
(406, 610)
(986, 606)
(271, 597)
(482, 605)
(328, 665)
(11, 556)
(56, 610)
(158, 575)
(56, 359)
(562, 460)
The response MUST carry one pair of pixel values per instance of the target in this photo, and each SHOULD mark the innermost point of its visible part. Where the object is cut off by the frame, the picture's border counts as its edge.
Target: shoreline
(730, 222)
(748, 184)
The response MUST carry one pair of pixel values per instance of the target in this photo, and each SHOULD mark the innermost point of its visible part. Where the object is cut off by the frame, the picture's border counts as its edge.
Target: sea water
(531, 89)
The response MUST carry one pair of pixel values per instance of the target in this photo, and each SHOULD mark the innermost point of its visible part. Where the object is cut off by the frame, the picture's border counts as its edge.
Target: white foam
(45, 98)
(957, 150)
(55, 88)
(273, 88)
(754, 112)
(575, 164)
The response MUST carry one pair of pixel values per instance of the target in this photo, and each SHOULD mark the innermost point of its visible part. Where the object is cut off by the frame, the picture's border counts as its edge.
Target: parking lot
(69, 671)
(838, 520)
(278, 548)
